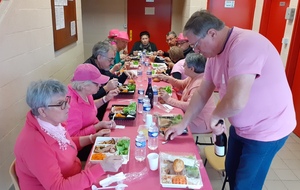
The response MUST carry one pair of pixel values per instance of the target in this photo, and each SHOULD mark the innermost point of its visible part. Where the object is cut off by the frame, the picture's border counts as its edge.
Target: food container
(108, 146)
(123, 112)
(127, 89)
(187, 167)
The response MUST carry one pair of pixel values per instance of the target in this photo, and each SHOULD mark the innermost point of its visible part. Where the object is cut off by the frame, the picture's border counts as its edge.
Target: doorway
(154, 17)
(273, 21)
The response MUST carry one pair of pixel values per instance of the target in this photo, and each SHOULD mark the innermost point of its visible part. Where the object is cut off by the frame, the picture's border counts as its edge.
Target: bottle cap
(149, 120)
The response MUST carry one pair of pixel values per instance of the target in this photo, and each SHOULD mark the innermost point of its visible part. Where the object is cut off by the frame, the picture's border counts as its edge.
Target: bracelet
(103, 100)
(91, 138)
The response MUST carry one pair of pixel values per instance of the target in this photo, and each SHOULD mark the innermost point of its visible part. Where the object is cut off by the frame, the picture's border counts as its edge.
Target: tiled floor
(284, 173)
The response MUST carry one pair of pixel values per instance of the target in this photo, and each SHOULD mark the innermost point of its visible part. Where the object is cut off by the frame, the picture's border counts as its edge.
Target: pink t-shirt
(269, 114)
(178, 67)
(82, 115)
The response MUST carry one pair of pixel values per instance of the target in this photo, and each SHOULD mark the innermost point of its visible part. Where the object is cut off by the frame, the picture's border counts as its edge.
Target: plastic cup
(153, 161)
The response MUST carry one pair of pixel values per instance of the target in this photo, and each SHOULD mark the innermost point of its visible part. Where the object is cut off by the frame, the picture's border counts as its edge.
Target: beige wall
(98, 17)
(27, 54)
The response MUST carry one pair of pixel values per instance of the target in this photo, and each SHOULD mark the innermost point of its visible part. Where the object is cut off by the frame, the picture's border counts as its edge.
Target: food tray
(190, 176)
(124, 89)
(117, 110)
(165, 121)
(108, 146)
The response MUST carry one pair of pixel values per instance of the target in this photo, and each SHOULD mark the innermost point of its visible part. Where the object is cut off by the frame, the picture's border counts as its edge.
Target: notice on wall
(59, 17)
(61, 2)
(73, 28)
(149, 10)
(229, 4)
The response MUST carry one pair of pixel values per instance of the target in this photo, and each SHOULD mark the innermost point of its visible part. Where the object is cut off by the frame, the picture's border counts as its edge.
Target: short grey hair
(101, 48)
(202, 21)
(40, 93)
(172, 32)
(196, 60)
(78, 85)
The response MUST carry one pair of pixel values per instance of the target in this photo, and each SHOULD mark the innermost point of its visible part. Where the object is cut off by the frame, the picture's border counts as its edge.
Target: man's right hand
(173, 131)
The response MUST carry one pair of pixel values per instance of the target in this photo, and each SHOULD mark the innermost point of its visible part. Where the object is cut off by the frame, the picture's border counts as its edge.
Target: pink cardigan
(82, 115)
(189, 85)
(41, 164)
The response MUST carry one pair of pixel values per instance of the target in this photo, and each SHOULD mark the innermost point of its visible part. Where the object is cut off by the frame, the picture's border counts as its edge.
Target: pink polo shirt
(41, 164)
(269, 114)
(82, 115)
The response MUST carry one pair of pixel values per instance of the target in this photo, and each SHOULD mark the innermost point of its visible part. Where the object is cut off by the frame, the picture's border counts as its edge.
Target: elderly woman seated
(193, 67)
(45, 152)
(82, 118)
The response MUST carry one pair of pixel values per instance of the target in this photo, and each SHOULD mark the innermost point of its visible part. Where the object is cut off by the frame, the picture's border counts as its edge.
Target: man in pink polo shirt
(248, 72)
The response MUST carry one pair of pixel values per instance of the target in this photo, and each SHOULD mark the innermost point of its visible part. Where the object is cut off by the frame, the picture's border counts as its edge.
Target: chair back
(13, 175)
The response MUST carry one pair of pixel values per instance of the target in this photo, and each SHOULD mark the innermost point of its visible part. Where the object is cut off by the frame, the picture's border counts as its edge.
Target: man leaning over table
(254, 95)
(102, 58)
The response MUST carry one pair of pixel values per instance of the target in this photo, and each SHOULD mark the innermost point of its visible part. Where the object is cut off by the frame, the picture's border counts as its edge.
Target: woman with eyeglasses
(45, 152)
(194, 66)
(82, 118)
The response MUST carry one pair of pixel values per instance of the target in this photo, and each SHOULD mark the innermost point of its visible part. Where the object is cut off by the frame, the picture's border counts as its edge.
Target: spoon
(165, 142)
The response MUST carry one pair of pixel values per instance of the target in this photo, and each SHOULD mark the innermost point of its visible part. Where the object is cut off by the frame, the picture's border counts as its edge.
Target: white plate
(102, 142)
(191, 171)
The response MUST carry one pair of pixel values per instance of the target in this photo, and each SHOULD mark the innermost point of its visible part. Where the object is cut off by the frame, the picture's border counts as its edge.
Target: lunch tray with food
(134, 64)
(108, 146)
(180, 170)
(127, 88)
(123, 112)
(165, 121)
(167, 89)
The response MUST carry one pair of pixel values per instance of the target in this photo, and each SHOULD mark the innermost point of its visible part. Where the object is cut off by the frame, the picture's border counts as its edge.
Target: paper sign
(59, 17)
(73, 28)
(229, 4)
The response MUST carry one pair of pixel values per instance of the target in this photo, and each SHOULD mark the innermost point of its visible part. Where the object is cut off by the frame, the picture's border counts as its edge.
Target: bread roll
(155, 79)
(178, 165)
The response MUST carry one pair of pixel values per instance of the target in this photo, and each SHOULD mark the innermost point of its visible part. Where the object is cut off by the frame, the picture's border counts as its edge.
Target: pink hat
(85, 72)
(182, 38)
(122, 35)
(113, 33)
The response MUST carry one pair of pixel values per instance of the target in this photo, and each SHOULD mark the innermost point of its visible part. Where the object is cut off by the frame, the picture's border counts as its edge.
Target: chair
(204, 143)
(216, 162)
(13, 175)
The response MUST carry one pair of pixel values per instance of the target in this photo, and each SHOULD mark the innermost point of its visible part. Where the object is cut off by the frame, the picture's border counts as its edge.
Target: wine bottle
(149, 91)
(221, 142)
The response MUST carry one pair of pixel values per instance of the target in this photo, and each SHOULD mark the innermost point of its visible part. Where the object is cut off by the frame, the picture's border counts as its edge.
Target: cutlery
(109, 187)
(165, 142)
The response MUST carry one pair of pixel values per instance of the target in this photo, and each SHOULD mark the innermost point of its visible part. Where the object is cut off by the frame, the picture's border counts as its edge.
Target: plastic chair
(216, 162)
(204, 143)
(13, 175)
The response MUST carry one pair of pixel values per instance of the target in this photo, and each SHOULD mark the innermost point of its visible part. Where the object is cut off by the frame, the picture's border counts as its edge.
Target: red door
(273, 23)
(293, 68)
(241, 15)
(157, 24)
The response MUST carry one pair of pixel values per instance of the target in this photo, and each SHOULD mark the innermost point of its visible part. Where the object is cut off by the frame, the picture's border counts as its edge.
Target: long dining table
(181, 144)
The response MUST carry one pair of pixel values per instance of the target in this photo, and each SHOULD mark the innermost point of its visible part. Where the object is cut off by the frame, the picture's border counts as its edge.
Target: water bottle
(149, 72)
(221, 142)
(146, 108)
(140, 147)
(140, 103)
(153, 137)
(139, 74)
(141, 90)
(155, 95)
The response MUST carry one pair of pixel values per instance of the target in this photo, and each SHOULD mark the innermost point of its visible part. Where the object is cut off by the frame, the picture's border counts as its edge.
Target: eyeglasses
(62, 104)
(110, 59)
(195, 45)
(181, 43)
(169, 39)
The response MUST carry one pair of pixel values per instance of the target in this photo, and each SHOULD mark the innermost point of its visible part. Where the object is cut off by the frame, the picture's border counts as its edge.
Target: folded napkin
(168, 106)
(120, 126)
